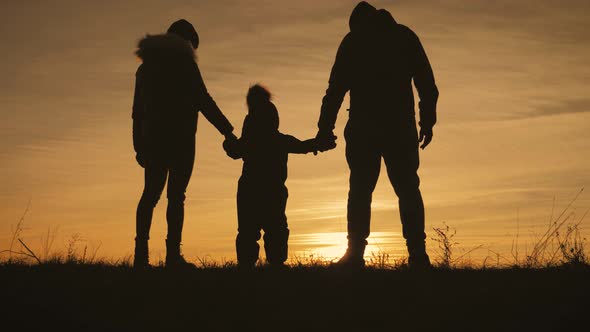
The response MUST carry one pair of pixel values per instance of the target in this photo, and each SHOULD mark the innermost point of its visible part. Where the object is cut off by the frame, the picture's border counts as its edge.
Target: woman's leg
(181, 170)
(155, 179)
(180, 173)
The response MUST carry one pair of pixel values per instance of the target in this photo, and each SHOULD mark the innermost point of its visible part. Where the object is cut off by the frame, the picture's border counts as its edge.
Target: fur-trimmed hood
(164, 46)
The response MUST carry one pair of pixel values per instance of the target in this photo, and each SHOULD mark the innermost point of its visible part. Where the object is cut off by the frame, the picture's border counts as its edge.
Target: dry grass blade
(31, 253)
(17, 231)
(541, 246)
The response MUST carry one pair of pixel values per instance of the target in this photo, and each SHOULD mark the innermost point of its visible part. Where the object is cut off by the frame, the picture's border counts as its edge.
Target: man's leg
(364, 161)
(155, 180)
(402, 162)
(180, 173)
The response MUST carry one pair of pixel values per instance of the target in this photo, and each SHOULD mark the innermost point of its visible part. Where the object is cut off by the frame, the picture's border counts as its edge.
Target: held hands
(325, 141)
(425, 137)
(230, 145)
(231, 137)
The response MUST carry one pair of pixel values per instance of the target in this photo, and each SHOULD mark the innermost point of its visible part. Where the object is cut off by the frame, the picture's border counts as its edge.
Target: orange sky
(513, 131)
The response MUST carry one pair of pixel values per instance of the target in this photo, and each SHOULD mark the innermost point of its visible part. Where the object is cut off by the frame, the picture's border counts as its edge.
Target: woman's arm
(235, 148)
(209, 108)
(138, 117)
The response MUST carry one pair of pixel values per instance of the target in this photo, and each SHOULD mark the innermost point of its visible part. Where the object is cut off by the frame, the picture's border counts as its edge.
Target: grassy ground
(546, 288)
(96, 297)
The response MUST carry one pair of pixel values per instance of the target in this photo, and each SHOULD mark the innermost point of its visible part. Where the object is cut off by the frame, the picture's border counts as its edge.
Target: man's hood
(362, 17)
(164, 46)
(385, 17)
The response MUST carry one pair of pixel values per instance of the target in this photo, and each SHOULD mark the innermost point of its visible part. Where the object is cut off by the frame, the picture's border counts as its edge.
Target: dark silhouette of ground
(262, 194)
(106, 298)
(169, 93)
(377, 62)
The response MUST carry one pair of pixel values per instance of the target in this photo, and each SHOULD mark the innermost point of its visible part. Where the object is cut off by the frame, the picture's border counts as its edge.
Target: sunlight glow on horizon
(332, 245)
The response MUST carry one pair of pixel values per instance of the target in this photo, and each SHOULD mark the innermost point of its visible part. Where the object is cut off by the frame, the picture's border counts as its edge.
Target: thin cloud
(578, 105)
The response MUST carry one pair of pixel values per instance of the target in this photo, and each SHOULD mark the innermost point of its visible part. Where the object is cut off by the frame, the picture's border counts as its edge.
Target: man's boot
(276, 247)
(418, 257)
(354, 256)
(174, 259)
(141, 259)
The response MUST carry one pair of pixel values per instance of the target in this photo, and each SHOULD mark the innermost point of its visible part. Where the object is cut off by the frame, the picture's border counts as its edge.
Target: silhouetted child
(262, 195)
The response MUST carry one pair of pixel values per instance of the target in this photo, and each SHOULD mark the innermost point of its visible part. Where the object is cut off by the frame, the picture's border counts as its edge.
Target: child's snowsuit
(262, 194)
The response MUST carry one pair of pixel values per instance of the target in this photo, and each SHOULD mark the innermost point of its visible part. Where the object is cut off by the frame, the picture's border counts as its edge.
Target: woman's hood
(164, 46)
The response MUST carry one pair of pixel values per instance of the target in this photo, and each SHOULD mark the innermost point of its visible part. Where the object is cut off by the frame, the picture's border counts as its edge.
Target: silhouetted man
(169, 92)
(377, 61)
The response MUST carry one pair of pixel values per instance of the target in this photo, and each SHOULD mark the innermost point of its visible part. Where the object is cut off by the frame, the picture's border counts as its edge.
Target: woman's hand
(140, 159)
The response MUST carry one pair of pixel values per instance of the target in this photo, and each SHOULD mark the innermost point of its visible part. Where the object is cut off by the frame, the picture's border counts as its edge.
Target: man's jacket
(377, 65)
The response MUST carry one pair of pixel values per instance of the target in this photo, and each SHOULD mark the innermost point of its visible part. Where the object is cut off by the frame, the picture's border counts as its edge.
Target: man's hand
(425, 137)
(324, 145)
(325, 141)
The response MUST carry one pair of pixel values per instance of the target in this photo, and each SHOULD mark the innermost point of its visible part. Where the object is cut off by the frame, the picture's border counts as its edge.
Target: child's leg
(276, 231)
(276, 239)
(248, 230)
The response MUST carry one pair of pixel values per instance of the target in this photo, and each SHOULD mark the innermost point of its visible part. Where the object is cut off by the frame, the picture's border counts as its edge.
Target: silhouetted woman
(169, 92)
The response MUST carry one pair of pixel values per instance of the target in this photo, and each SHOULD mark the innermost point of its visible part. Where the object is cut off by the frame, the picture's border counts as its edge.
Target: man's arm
(427, 90)
(338, 85)
(209, 108)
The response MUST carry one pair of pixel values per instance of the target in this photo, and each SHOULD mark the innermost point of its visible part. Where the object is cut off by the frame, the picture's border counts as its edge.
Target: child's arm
(294, 145)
